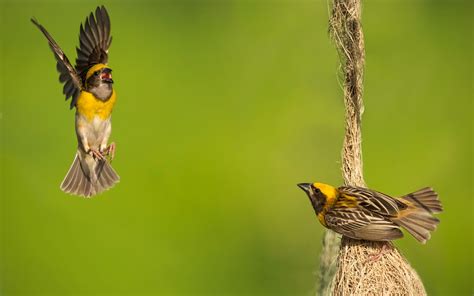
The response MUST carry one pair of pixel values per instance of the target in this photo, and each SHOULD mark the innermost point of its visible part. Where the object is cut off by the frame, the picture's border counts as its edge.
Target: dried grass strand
(374, 268)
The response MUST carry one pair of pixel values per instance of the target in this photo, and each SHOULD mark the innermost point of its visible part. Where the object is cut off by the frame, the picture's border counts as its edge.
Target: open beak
(106, 76)
(305, 187)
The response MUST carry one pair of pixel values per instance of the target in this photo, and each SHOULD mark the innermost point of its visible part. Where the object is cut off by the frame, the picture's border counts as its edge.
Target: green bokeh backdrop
(223, 106)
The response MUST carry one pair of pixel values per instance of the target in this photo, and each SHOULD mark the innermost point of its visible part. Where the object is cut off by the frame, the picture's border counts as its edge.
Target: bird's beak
(106, 75)
(305, 187)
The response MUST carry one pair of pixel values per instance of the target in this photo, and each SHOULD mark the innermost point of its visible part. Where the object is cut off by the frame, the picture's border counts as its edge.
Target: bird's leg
(82, 133)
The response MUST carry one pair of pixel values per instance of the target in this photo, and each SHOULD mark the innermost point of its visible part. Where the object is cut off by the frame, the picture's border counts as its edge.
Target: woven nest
(374, 268)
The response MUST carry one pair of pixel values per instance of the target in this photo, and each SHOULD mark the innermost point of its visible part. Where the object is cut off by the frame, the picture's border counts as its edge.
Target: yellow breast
(337, 201)
(321, 218)
(89, 106)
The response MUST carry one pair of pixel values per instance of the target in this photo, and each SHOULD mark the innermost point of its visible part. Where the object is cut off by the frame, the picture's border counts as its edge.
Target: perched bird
(89, 85)
(366, 214)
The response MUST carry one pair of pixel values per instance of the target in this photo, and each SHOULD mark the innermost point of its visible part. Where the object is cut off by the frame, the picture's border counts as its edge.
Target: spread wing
(68, 75)
(94, 41)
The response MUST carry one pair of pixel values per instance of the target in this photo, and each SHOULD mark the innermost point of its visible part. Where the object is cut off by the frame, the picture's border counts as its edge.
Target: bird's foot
(110, 151)
(377, 255)
(96, 154)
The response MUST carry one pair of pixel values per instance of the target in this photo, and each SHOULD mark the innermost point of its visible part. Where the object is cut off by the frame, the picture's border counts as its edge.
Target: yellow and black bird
(89, 85)
(367, 214)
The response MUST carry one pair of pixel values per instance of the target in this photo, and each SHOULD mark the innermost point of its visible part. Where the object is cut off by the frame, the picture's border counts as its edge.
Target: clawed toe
(96, 154)
(110, 151)
(379, 254)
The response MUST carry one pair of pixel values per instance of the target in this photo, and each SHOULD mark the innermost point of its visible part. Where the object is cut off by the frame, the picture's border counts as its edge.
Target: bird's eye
(96, 73)
(316, 190)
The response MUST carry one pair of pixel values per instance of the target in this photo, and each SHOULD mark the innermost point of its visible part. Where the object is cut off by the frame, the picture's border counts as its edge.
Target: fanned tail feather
(418, 219)
(79, 182)
(106, 176)
(425, 198)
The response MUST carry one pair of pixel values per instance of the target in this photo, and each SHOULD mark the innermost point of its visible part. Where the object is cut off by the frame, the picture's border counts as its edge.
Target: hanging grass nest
(374, 268)
(362, 267)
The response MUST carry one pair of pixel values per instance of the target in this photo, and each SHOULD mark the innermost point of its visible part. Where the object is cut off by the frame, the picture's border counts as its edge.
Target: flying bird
(366, 214)
(89, 85)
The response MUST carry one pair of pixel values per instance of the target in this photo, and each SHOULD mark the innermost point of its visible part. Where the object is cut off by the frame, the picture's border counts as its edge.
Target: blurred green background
(223, 107)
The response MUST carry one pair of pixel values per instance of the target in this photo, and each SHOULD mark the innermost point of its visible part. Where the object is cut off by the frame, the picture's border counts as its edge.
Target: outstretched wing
(94, 41)
(68, 75)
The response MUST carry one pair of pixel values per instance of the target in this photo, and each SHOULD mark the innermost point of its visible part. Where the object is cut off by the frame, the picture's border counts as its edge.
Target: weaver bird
(89, 85)
(366, 214)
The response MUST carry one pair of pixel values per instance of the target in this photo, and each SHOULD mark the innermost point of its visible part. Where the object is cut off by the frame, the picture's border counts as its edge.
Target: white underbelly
(98, 124)
(94, 130)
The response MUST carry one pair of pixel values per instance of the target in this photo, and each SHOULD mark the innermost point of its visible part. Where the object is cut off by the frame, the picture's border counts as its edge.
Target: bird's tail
(418, 218)
(88, 177)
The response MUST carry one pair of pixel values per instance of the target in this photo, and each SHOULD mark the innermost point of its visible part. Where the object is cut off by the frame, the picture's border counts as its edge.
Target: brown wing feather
(374, 201)
(346, 219)
(358, 223)
(94, 41)
(67, 73)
